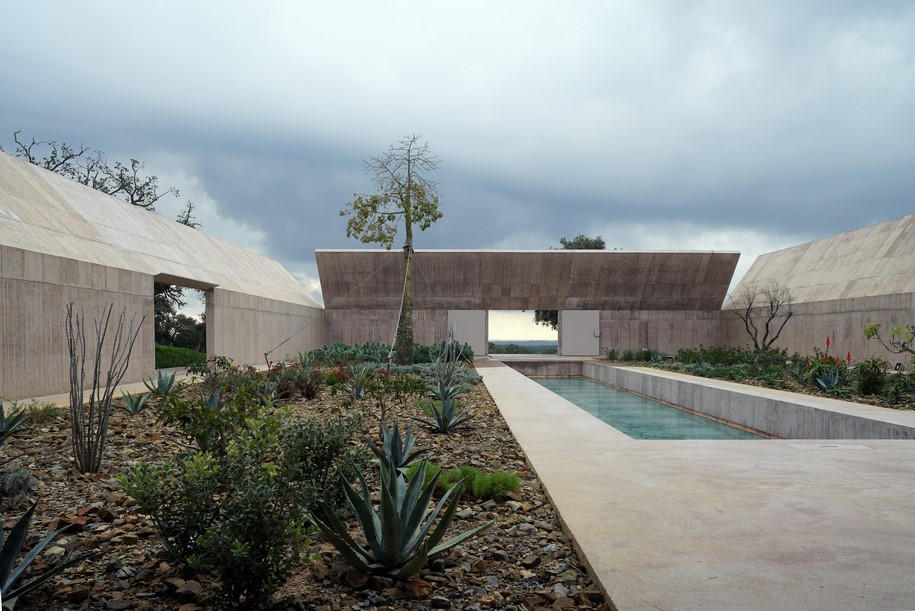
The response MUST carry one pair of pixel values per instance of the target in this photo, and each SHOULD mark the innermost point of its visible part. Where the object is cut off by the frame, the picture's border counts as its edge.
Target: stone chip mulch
(524, 562)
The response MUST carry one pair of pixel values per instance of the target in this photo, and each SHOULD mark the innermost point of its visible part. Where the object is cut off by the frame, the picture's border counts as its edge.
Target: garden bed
(523, 562)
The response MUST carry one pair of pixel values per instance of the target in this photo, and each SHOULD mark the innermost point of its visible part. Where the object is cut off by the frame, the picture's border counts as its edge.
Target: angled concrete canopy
(839, 284)
(43, 212)
(522, 280)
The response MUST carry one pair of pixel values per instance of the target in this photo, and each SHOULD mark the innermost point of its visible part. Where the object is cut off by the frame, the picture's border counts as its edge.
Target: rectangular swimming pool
(638, 417)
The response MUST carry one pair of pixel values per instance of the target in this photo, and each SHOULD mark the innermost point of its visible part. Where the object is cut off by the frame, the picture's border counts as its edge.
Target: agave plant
(10, 424)
(395, 453)
(12, 546)
(445, 416)
(829, 381)
(163, 386)
(400, 538)
(134, 404)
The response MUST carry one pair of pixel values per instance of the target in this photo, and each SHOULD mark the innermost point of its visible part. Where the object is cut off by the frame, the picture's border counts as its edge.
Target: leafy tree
(550, 318)
(405, 198)
(126, 181)
(901, 339)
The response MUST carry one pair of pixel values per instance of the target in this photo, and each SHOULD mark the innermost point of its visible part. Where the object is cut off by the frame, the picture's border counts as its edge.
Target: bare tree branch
(771, 306)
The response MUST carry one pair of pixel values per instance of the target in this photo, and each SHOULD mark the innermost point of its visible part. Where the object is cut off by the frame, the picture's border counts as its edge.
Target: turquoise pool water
(637, 417)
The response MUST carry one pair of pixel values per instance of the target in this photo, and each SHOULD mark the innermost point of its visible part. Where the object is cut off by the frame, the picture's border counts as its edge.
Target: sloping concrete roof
(43, 212)
(866, 262)
(521, 280)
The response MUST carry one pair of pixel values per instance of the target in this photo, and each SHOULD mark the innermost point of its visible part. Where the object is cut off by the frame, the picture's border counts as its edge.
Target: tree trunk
(403, 348)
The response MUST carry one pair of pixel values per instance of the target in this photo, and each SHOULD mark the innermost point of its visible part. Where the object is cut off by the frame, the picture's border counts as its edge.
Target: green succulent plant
(396, 452)
(164, 384)
(400, 535)
(445, 416)
(12, 546)
(11, 423)
(134, 404)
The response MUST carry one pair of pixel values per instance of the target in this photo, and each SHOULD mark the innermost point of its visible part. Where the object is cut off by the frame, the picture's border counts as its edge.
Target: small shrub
(179, 497)
(172, 356)
(496, 485)
(15, 486)
(628, 355)
(896, 386)
(870, 375)
(613, 354)
(211, 421)
(43, 413)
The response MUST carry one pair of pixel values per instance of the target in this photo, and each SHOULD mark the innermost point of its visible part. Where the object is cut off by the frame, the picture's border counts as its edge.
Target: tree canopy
(406, 197)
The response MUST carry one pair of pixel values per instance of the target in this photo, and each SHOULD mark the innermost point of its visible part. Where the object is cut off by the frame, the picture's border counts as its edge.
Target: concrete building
(624, 300)
(838, 285)
(63, 242)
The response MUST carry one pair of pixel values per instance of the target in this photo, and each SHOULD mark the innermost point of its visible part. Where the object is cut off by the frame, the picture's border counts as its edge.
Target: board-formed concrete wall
(663, 330)
(35, 289)
(244, 327)
(378, 325)
(64, 241)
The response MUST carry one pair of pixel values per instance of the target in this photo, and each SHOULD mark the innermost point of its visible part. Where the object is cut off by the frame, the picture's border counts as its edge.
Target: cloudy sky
(659, 125)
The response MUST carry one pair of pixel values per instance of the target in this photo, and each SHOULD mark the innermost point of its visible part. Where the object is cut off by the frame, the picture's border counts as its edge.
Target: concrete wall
(367, 325)
(842, 320)
(471, 326)
(547, 369)
(244, 327)
(781, 414)
(664, 330)
(34, 292)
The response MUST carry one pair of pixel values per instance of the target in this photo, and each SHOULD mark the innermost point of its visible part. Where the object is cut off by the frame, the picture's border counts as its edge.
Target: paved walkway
(729, 525)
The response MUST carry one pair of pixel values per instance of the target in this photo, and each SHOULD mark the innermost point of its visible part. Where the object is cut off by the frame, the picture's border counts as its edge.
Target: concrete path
(722, 524)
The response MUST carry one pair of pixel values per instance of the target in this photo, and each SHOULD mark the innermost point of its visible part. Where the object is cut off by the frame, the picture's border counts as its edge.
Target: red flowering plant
(827, 372)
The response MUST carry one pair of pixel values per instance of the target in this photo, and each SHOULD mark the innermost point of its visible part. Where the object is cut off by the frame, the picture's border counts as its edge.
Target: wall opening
(516, 332)
(181, 325)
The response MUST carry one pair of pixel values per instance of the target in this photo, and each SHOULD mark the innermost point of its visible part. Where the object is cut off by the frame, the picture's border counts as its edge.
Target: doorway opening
(180, 321)
(516, 332)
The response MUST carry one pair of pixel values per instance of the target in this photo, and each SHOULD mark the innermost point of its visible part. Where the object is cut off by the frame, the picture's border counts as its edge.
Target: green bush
(343, 354)
(896, 386)
(244, 515)
(628, 355)
(613, 354)
(870, 376)
(479, 485)
(171, 356)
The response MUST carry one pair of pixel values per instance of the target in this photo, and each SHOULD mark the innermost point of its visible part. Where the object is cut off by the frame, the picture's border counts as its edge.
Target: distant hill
(537, 346)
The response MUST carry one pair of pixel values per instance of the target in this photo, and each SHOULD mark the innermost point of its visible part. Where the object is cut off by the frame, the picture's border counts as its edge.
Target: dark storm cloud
(739, 125)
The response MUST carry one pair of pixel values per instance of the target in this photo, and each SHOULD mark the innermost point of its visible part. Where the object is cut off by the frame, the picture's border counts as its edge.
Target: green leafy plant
(400, 535)
(395, 452)
(134, 404)
(11, 548)
(871, 375)
(496, 485)
(212, 421)
(11, 423)
(896, 386)
(179, 497)
(613, 354)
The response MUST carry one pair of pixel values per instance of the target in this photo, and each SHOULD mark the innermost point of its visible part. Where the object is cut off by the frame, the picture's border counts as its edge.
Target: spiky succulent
(400, 535)
(163, 386)
(445, 416)
(134, 404)
(12, 546)
(396, 452)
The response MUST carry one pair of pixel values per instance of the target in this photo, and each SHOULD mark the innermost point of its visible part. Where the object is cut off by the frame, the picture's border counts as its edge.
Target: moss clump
(477, 484)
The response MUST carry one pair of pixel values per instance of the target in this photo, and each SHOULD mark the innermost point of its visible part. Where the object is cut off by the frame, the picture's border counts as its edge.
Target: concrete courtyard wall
(243, 327)
(663, 330)
(842, 320)
(368, 325)
(34, 292)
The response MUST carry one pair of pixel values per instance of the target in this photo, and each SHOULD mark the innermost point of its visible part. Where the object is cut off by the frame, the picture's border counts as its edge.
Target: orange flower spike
(848, 357)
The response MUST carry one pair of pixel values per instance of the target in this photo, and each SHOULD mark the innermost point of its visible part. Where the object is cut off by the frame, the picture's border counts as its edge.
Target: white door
(469, 326)
(579, 332)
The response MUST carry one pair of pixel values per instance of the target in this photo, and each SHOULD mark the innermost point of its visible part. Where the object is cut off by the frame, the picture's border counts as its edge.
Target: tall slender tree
(406, 198)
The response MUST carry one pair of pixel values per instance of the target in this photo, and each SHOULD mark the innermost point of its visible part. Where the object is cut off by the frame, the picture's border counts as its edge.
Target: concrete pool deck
(769, 524)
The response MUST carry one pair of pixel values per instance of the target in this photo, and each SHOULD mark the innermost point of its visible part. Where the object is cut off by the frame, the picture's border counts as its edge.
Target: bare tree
(403, 192)
(89, 421)
(764, 310)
